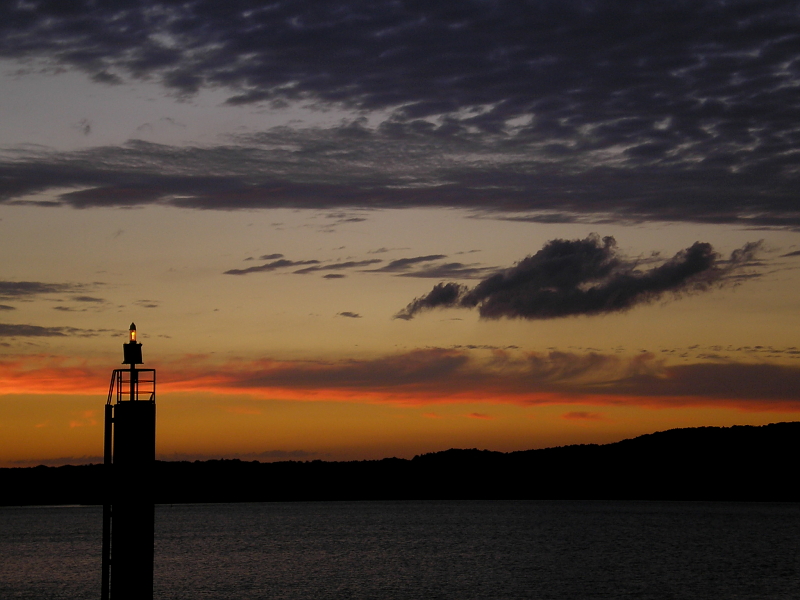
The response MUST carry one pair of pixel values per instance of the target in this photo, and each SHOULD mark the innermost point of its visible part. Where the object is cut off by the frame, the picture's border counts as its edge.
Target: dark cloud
(442, 294)
(334, 276)
(404, 264)
(410, 267)
(315, 267)
(91, 299)
(14, 290)
(381, 172)
(553, 111)
(350, 264)
(340, 218)
(271, 266)
(438, 375)
(453, 270)
(585, 277)
(146, 303)
(484, 347)
(10, 330)
(7, 307)
(735, 380)
(269, 257)
(84, 126)
(795, 253)
(405, 370)
(349, 314)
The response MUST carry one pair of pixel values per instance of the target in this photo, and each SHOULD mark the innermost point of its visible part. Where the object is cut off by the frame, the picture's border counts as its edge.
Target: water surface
(422, 550)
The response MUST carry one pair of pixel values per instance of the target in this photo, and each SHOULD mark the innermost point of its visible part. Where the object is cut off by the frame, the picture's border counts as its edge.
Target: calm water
(422, 550)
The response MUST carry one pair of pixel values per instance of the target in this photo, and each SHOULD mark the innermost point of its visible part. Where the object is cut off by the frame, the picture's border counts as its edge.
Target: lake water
(422, 550)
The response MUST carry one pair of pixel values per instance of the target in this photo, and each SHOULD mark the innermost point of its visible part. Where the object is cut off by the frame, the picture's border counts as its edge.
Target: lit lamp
(132, 351)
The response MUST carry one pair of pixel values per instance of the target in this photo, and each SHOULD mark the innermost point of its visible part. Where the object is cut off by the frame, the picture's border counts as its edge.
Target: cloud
(146, 303)
(442, 294)
(435, 375)
(85, 419)
(483, 416)
(88, 299)
(341, 218)
(68, 309)
(84, 126)
(334, 276)
(558, 112)
(13, 331)
(271, 266)
(417, 267)
(381, 172)
(585, 277)
(315, 267)
(7, 307)
(795, 253)
(404, 264)
(454, 270)
(15, 290)
(349, 314)
(484, 347)
(351, 264)
(438, 375)
(582, 416)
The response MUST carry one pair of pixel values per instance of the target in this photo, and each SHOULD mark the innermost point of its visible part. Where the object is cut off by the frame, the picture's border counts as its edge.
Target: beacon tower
(129, 458)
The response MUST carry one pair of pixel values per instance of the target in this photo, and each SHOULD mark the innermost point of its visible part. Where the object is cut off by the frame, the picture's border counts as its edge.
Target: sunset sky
(351, 230)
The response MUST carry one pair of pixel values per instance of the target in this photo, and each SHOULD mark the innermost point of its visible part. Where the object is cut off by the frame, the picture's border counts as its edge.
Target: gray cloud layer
(404, 264)
(584, 277)
(439, 375)
(350, 264)
(271, 266)
(14, 331)
(683, 110)
(18, 290)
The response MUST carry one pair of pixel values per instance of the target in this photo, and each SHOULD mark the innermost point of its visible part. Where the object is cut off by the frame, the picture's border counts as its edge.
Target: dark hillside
(706, 463)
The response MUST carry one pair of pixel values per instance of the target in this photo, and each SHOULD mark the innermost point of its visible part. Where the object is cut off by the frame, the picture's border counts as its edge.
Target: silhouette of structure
(129, 459)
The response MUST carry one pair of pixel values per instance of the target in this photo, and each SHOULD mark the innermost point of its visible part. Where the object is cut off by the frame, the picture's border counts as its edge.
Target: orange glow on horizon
(425, 377)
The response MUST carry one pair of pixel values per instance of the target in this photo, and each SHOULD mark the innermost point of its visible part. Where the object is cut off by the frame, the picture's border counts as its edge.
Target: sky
(353, 230)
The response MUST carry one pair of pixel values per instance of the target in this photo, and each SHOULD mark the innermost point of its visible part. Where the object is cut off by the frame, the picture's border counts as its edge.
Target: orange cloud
(582, 416)
(46, 374)
(438, 375)
(86, 419)
(480, 416)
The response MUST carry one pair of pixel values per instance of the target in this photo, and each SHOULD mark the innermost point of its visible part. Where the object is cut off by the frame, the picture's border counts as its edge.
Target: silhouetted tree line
(706, 463)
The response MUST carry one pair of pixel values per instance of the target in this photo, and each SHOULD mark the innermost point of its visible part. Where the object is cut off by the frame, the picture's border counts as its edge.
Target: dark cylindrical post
(107, 447)
(130, 452)
(134, 515)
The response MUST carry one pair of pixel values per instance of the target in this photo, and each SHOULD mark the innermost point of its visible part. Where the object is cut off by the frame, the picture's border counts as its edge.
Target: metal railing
(136, 385)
